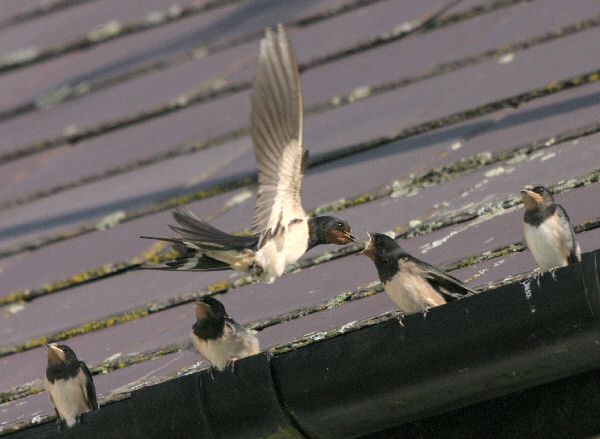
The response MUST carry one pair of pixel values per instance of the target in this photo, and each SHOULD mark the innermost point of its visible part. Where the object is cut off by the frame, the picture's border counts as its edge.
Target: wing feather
(89, 389)
(277, 118)
(448, 285)
(572, 252)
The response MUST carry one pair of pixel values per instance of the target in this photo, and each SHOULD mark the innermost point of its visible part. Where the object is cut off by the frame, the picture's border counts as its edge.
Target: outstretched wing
(277, 118)
(447, 285)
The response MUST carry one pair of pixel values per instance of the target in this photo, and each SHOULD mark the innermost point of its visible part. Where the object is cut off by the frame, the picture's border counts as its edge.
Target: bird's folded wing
(233, 324)
(447, 284)
(89, 389)
(277, 118)
(567, 237)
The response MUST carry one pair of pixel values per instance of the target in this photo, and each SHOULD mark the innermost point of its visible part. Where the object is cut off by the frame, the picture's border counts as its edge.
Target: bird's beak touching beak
(350, 236)
(369, 247)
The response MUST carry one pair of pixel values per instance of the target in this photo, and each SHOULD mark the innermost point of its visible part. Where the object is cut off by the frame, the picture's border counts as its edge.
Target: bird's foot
(553, 273)
(211, 373)
(425, 311)
(537, 275)
(60, 425)
(400, 319)
(78, 419)
(231, 364)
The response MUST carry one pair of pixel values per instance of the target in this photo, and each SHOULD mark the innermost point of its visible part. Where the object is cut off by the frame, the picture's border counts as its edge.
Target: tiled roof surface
(423, 116)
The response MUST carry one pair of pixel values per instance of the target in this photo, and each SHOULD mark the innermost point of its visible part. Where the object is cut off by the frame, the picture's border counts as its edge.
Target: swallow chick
(547, 229)
(219, 338)
(414, 285)
(69, 385)
(283, 231)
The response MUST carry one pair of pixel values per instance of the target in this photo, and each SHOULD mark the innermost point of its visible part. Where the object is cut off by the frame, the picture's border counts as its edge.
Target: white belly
(69, 398)
(229, 346)
(274, 258)
(544, 243)
(412, 293)
(213, 352)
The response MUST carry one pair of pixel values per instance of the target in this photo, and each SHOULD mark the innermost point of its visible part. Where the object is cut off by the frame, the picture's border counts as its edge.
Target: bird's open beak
(55, 354)
(368, 246)
(350, 236)
(526, 190)
(530, 199)
(202, 310)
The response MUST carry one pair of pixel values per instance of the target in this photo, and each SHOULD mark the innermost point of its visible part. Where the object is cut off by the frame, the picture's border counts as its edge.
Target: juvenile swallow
(69, 384)
(414, 285)
(219, 338)
(547, 229)
(283, 231)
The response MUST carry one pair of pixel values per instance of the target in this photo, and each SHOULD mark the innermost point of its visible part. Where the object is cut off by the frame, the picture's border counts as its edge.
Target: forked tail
(202, 247)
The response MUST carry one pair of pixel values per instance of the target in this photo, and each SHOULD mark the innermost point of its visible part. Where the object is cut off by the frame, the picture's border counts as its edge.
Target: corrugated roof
(423, 117)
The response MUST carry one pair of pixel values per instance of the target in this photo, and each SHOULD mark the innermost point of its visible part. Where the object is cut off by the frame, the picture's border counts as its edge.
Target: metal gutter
(497, 343)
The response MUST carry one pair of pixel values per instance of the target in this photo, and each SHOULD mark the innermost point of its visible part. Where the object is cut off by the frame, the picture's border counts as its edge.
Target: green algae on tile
(105, 32)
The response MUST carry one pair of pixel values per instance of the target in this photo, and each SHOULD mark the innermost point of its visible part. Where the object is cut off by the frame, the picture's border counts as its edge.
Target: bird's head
(379, 245)
(60, 354)
(210, 318)
(209, 308)
(535, 196)
(331, 230)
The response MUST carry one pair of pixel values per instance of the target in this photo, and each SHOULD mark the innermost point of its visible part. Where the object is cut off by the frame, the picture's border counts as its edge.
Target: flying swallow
(547, 229)
(219, 338)
(414, 285)
(283, 231)
(69, 384)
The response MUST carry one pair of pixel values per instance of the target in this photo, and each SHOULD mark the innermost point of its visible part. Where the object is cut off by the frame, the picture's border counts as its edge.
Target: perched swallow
(69, 384)
(219, 338)
(414, 285)
(283, 230)
(547, 230)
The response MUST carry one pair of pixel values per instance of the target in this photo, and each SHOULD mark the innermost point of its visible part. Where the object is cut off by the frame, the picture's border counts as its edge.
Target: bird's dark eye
(340, 225)
(539, 190)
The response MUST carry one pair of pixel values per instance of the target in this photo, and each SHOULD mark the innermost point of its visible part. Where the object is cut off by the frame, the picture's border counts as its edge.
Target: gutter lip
(379, 376)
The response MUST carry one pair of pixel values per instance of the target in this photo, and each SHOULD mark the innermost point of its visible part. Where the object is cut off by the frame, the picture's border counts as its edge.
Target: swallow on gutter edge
(547, 229)
(283, 231)
(414, 285)
(219, 338)
(69, 384)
